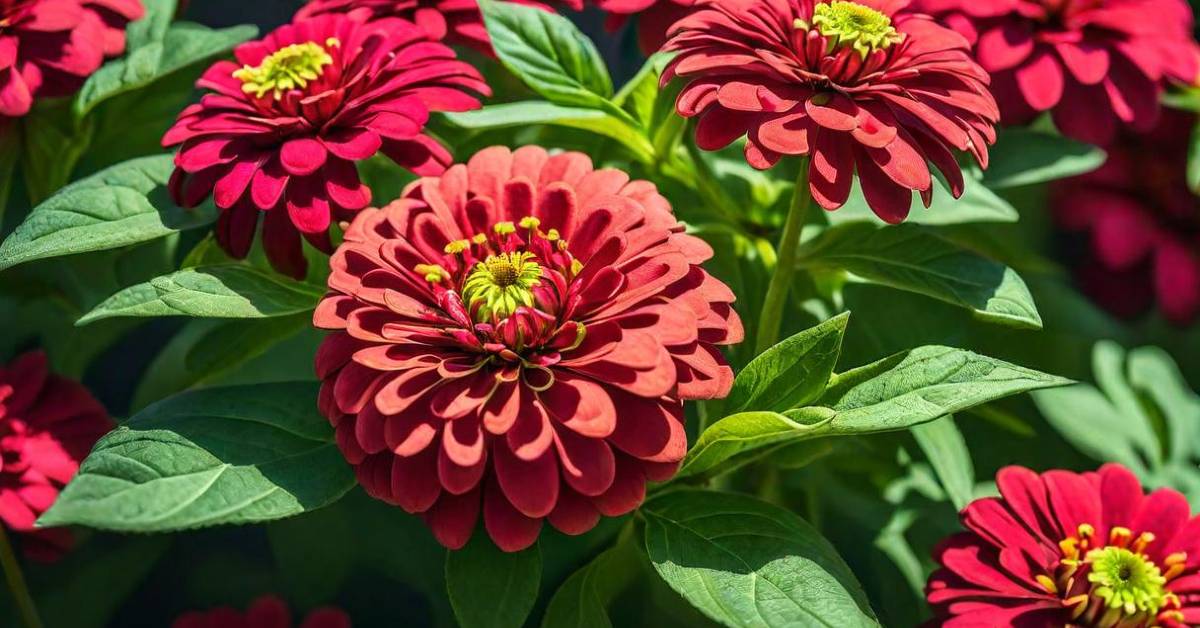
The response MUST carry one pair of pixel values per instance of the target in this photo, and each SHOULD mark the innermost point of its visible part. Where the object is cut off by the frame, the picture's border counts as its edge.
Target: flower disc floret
(847, 23)
(288, 68)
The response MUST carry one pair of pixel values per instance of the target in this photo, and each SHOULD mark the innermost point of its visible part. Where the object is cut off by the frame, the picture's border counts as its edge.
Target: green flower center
(290, 67)
(852, 24)
(500, 284)
(1127, 582)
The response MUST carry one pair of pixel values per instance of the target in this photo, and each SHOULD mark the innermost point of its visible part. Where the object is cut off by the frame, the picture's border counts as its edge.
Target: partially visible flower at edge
(48, 424)
(1142, 221)
(285, 126)
(654, 18)
(1096, 65)
(48, 47)
(267, 611)
(864, 87)
(515, 339)
(1063, 548)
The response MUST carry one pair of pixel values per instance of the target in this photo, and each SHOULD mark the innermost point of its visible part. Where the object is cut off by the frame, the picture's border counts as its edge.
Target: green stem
(16, 583)
(785, 268)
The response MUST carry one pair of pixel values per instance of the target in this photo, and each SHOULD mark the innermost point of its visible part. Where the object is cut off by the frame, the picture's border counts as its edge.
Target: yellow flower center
(290, 67)
(500, 284)
(857, 26)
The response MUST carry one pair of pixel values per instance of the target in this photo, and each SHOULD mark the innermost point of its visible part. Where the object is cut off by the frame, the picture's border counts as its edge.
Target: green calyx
(857, 26)
(500, 284)
(1129, 583)
(290, 67)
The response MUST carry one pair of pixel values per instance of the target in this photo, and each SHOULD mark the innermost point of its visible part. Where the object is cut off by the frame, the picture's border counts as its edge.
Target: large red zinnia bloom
(858, 86)
(267, 611)
(1095, 64)
(286, 125)
(1070, 549)
(1143, 222)
(456, 21)
(47, 425)
(48, 47)
(518, 337)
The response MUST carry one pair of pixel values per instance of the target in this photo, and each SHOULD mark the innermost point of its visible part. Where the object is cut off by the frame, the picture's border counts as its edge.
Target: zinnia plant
(519, 313)
(1070, 549)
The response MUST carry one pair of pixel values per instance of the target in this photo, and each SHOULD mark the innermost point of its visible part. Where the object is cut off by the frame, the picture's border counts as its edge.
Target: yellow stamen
(290, 67)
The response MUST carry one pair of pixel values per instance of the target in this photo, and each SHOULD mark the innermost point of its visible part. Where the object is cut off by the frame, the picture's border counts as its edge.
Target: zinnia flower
(1143, 222)
(1095, 64)
(654, 18)
(857, 86)
(518, 337)
(1070, 549)
(47, 425)
(456, 21)
(267, 611)
(48, 47)
(291, 118)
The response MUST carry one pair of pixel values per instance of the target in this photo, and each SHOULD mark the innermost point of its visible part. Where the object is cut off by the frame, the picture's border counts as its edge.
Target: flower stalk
(16, 583)
(785, 267)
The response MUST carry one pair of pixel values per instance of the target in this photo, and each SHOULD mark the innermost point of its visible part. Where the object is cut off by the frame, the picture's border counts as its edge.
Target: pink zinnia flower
(517, 337)
(287, 123)
(1143, 222)
(48, 47)
(654, 18)
(857, 86)
(1071, 549)
(456, 21)
(48, 424)
(1095, 64)
(267, 611)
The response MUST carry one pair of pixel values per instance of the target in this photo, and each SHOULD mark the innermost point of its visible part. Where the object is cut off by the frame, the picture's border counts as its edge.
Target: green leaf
(791, 373)
(1193, 160)
(947, 452)
(548, 53)
(1027, 156)
(163, 48)
(744, 562)
(242, 454)
(522, 114)
(122, 205)
(921, 385)
(1152, 371)
(582, 600)
(914, 258)
(742, 438)
(218, 291)
(1086, 419)
(489, 587)
(54, 142)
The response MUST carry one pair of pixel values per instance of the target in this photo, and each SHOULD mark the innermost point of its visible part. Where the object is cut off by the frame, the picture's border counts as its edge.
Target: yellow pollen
(504, 273)
(1119, 536)
(432, 272)
(1047, 583)
(504, 228)
(529, 222)
(290, 67)
(552, 235)
(458, 246)
(479, 238)
(855, 25)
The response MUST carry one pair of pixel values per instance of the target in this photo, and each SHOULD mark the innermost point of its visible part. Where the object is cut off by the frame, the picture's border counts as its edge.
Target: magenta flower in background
(267, 611)
(864, 87)
(284, 127)
(48, 47)
(1071, 549)
(1095, 65)
(515, 339)
(48, 424)
(1142, 222)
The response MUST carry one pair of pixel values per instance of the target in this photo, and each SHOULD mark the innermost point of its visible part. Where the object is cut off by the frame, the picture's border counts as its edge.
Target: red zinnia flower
(47, 425)
(289, 121)
(1143, 220)
(48, 47)
(1070, 549)
(456, 21)
(1093, 63)
(267, 611)
(654, 18)
(518, 336)
(860, 86)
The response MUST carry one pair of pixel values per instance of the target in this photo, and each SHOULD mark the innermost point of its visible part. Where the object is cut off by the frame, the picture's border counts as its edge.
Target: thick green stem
(785, 267)
(16, 583)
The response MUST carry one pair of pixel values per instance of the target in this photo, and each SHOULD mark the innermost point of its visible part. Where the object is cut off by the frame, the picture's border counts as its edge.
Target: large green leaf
(521, 114)
(218, 291)
(744, 562)
(123, 205)
(1028, 156)
(921, 385)
(744, 437)
(947, 452)
(791, 373)
(548, 53)
(241, 454)
(914, 258)
(582, 600)
(489, 587)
